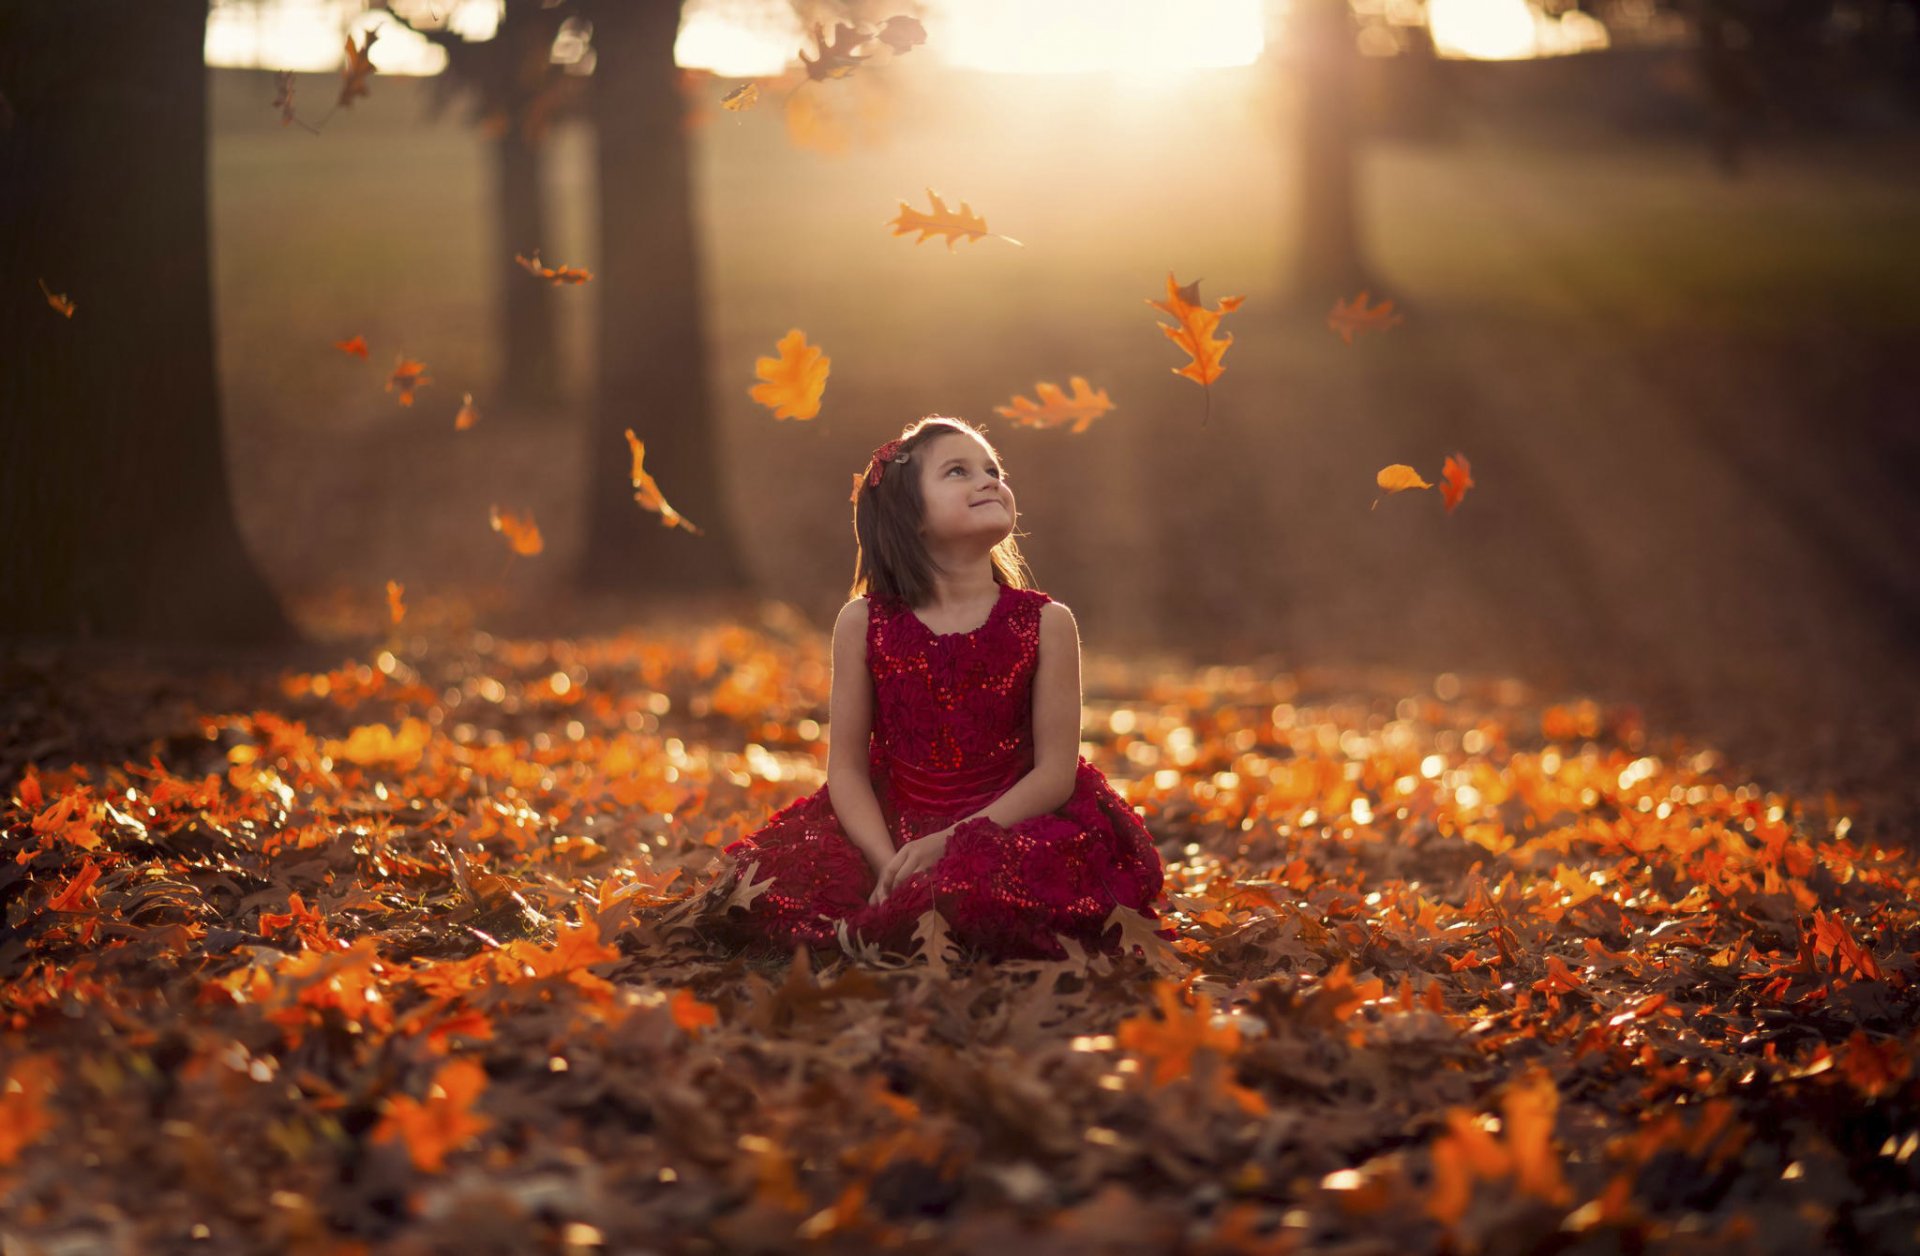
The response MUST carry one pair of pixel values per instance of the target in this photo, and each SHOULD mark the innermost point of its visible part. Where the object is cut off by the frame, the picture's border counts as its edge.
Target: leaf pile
(417, 949)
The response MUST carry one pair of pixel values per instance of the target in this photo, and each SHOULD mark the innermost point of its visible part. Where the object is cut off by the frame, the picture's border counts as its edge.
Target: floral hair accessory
(877, 463)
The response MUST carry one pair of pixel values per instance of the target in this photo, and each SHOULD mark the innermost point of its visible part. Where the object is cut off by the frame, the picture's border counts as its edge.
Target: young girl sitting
(954, 778)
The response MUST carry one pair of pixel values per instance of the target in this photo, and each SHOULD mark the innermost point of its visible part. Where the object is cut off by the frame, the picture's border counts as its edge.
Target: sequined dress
(952, 730)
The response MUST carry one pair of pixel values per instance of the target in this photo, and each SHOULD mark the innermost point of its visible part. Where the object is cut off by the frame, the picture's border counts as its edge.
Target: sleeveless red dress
(952, 731)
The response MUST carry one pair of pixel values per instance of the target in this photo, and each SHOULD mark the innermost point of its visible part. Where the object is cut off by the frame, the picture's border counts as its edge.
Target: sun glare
(1509, 30)
(760, 38)
(306, 35)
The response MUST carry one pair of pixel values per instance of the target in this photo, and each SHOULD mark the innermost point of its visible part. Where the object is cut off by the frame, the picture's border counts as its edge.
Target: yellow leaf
(647, 493)
(1081, 407)
(1399, 477)
(952, 223)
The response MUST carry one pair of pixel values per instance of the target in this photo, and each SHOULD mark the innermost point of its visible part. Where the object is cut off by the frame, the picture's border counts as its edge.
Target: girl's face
(964, 496)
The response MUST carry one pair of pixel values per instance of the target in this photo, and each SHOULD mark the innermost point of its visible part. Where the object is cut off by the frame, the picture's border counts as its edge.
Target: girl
(954, 779)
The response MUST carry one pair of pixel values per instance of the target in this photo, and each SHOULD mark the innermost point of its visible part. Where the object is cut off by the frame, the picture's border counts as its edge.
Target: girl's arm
(849, 721)
(1056, 725)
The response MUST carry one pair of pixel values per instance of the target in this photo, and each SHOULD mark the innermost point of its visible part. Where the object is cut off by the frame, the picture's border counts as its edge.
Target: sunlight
(1509, 30)
(306, 35)
(761, 38)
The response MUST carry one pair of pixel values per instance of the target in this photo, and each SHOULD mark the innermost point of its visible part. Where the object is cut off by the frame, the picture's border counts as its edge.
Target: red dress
(952, 731)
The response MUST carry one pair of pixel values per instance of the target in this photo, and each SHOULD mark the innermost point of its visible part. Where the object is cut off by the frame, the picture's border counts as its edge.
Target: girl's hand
(915, 857)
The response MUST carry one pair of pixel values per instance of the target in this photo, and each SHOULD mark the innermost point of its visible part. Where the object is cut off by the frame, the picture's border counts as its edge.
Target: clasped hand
(916, 856)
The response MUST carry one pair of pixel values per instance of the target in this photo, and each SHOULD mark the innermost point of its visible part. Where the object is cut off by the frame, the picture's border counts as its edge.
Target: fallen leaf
(521, 533)
(1080, 407)
(1350, 318)
(793, 381)
(440, 1123)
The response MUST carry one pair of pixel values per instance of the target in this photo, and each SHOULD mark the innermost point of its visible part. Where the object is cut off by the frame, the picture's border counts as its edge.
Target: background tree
(652, 354)
(115, 514)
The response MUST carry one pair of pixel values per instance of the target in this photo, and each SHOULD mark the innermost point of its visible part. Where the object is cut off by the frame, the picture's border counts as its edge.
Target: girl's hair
(890, 557)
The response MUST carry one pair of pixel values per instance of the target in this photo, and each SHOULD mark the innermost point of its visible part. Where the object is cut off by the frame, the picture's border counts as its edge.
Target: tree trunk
(115, 517)
(1328, 261)
(528, 366)
(652, 373)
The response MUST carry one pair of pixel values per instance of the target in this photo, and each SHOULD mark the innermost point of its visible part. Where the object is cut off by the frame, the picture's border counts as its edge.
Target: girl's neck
(962, 588)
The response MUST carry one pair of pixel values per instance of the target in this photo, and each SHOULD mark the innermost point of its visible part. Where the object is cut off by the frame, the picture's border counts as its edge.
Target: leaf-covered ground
(406, 955)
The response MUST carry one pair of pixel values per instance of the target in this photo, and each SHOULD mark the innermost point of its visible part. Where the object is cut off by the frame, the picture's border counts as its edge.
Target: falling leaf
(647, 492)
(901, 33)
(58, 300)
(793, 381)
(469, 414)
(1454, 480)
(1399, 477)
(356, 71)
(556, 275)
(835, 58)
(407, 375)
(440, 1123)
(396, 608)
(283, 97)
(1193, 331)
(745, 96)
(1350, 318)
(953, 224)
(356, 346)
(521, 533)
(1081, 407)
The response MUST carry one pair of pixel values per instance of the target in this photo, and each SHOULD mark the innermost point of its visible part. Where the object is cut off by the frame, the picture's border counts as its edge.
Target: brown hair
(890, 559)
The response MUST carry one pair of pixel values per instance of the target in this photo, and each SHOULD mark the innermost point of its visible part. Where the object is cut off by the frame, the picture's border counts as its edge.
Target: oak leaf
(521, 533)
(647, 492)
(356, 71)
(443, 1121)
(357, 346)
(1080, 406)
(556, 275)
(951, 223)
(1350, 318)
(793, 381)
(1193, 330)
(1454, 480)
(835, 57)
(407, 375)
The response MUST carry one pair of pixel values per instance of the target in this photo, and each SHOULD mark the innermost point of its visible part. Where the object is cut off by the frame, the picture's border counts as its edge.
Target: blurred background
(1657, 264)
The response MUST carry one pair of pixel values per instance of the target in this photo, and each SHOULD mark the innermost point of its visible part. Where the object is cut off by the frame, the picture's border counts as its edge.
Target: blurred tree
(517, 92)
(115, 514)
(652, 352)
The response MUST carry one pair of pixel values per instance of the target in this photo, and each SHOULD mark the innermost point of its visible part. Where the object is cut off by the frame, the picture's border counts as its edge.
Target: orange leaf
(396, 609)
(794, 381)
(1351, 318)
(1170, 1041)
(556, 275)
(356, 346)
(1194, 328)
(24, 1092)
(690, 1013)
(407, 376)
(1559, 979)
(73, 897)
(1082, 407)
(442, 1121)
(522, 534)
(58, 300)
(951, 223)
(1874, 1069)
(745, 96)
(647, 493)
(1399, 477)
(1454, 480)
(357, 70)
(469, 413)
